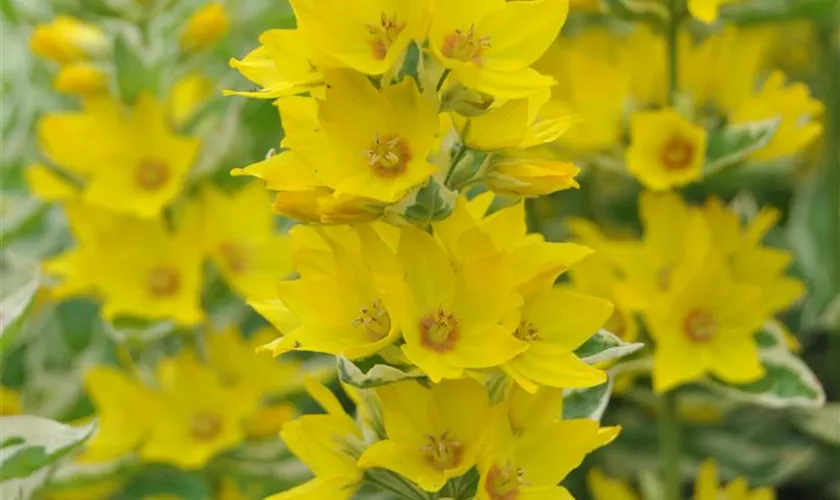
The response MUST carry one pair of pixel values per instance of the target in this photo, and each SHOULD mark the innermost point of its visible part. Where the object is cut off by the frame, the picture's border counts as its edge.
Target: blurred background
(58, 56)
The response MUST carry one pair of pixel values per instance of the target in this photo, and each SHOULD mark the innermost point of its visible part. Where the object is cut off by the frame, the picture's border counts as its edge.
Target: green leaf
(13, 307)
(134, 75)
(30, 445)
(822, 423)
(163, 480)
(590, 402)
(605, 346)
(432, 202)
(771, 337)
(764, 11)
(373, 372)
(788, 382)
(731, 144)
(639, 10)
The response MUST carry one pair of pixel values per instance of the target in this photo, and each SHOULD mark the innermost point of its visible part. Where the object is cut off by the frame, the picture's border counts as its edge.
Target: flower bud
(68, 40)
(531, 176)
(204, 28)
(81, 79)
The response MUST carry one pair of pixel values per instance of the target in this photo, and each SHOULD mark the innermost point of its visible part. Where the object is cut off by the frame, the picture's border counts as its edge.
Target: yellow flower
(708, 486)
(451, 319)
(204, 28)
(378, 140)
(235, 359)
(705, 10)
(666, 150)
(10, 403)
(796, 108)
(119, 400)
(484, 46)
(369, 37)
(554, 323)
(433, 434)
(749, 261)
(605, 488)
(323, 443)
(528, 463)
(706, 326)
(596, 275)
(81, 79)
(339, 301)
(150, 273)
(136, 166)
(296, 172)
(517, 124)
(530, 177)
(68, 40)
(45, 184)
(187, 96)
(196, 416)
(249, 251)
(283, 65)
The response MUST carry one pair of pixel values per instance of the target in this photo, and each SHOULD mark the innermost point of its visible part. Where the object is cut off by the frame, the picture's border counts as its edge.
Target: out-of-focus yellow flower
(136, 166)
(46, 184)
(602, 487)
(68, 40)
(10, 403)
(706, 326)
(794, 105)
(235, 359)
(285, 64)
(433, 434)
(150, 273)
(394, 129)
(708, 486)
(369, 37)
(530, 177)
(749, 260)
(324, 443)
(81, 79)
(267, 421)
(250, 253)
(705, 10)
(119, 402)
(590, 5)
(187, 96)
(138, 267)
(204, 28)
(555, 323)
(484, 46)
(666, 150)
(196, 415)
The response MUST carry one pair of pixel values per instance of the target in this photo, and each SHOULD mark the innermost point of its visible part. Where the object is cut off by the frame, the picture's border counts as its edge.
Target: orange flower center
(503, 483)
(526, 331)
(163, 281)
(384, 34)
(375, 320)
(442, 452)
(439, 331)
(678, 154)
(465, 45)
(388, 156)
(151, 174)
(700, 326)
(235, 256)
(205, 426)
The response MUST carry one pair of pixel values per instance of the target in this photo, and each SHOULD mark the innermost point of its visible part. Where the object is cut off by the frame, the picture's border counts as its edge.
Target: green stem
(442, 79)
(669, 422)
(669, 445)
(830, 67)
(462, 150)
